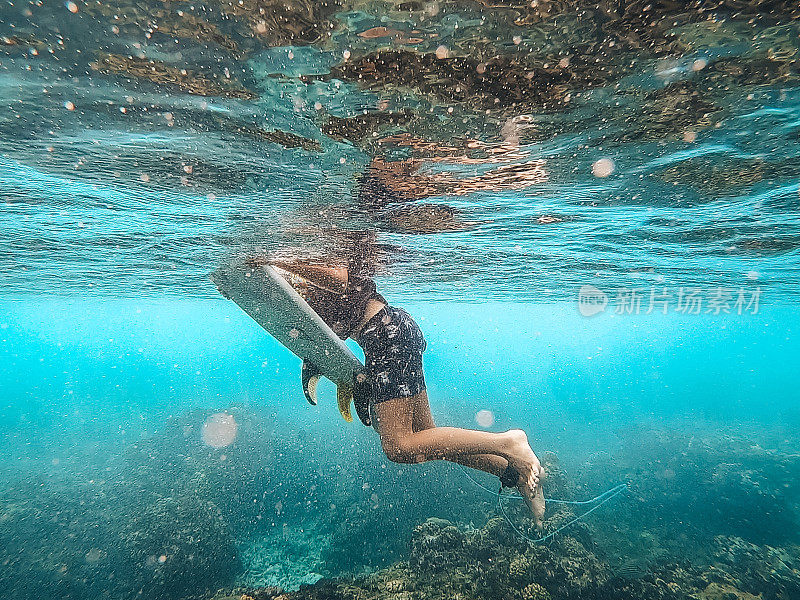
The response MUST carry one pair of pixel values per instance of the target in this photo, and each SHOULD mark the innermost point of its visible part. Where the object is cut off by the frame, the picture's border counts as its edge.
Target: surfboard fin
(344, 396)
(310, 375)
(363, 392)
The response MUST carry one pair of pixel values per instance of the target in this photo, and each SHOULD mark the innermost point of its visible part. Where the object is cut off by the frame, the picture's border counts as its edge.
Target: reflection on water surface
(145, 140)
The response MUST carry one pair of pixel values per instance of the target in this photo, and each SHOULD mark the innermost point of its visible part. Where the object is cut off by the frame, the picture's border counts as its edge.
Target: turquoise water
(590, 209)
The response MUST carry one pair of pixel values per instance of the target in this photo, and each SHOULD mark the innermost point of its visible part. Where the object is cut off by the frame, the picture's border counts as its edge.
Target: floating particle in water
(481, 68)
(342, 160)
(346, 54)
(317, 105)
(699, 64)
(442, 52)
(94, 555)
(484, 418)
(162, 559)
(752, 275)
(71, 6)
(188, 168)
(69, 105)
(517, 39)
(564, 62)
(219, 430)
(689, 136)
(261, 27)
(603, 167)
(144, 177)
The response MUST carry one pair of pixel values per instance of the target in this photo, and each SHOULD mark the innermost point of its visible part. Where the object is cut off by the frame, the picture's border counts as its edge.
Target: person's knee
(396, 451)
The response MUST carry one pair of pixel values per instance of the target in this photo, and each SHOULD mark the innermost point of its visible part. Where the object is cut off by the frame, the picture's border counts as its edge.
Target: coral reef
(111, 538)
(184, 519)
(534, 591)
(772, 572)
(446, 560)
(177, 546)
(480, 565)
(288, 557)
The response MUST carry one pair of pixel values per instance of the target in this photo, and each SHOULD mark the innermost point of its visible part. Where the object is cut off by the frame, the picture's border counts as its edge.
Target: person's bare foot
(521, 457)
(538, 499)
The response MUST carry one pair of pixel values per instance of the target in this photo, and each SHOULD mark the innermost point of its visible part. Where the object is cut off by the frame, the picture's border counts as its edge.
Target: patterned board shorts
(393, 345)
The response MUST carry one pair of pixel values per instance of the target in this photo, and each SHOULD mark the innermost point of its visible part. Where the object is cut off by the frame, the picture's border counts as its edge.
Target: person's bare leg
(422, 418)
(402, 444)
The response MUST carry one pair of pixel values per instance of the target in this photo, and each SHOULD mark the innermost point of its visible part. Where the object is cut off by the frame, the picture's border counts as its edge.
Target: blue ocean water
(590, 209)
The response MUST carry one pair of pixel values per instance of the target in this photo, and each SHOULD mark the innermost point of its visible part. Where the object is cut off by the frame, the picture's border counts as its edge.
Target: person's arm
(332, 279)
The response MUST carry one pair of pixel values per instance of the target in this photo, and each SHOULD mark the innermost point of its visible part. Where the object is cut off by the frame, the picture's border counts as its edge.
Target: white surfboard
(267, 297)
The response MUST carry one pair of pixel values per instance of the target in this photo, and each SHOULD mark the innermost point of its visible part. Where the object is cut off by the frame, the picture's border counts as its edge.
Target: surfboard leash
(601, 499)
(597, 501)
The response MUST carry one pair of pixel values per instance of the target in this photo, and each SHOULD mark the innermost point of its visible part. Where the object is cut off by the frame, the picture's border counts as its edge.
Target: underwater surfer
(344, 295)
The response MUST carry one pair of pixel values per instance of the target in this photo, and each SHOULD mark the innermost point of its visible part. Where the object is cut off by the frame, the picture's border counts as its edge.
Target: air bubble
(484, 418)
(603, 167)
(219, 430)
